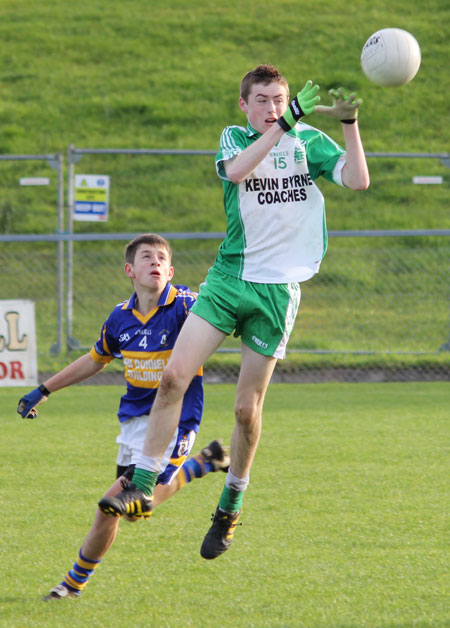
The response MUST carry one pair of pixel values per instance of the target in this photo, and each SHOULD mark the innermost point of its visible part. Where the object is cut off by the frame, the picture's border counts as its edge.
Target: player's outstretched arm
(79, 370)
(355, 173)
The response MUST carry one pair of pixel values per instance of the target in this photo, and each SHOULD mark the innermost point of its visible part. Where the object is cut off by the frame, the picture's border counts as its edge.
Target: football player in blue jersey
(142, 332)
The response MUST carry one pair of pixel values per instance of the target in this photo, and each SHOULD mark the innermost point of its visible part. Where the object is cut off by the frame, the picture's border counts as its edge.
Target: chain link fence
(379, 310)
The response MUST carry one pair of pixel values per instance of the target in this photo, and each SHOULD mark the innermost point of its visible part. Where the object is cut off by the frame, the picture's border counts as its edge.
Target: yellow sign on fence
(91, 197)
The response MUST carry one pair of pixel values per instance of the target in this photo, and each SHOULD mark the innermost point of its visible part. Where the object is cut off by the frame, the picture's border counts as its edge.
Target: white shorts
(131, 442)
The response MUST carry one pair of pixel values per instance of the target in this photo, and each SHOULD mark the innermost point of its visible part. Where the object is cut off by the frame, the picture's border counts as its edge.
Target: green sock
(231, 500)
(145, 480)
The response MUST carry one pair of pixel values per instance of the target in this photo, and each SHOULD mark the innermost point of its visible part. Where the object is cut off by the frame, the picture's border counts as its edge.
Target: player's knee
(246, 414)
(172, 382)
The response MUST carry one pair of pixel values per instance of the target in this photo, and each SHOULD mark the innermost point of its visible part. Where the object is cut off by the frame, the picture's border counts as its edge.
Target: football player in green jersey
(276, 238)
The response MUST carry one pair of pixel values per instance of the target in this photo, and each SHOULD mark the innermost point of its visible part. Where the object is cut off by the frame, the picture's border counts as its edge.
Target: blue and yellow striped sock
(195, 467)
(77, 578)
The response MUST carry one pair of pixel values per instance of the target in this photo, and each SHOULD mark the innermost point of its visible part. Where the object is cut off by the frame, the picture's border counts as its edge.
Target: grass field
(345, 522)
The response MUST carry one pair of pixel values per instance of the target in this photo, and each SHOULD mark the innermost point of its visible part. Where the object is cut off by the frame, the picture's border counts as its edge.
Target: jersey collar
(251, 131)
(168, 295)
(166, 298)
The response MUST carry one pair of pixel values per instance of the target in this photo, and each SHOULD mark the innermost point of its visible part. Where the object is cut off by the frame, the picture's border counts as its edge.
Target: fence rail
(379, 308)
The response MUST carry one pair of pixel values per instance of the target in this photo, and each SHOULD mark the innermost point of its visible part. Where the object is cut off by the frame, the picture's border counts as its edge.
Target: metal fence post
(58, 165)
(446, 345)
(71, 342)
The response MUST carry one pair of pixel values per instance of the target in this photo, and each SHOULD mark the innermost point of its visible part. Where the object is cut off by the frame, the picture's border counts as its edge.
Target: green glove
(345, 107)
(302, 105)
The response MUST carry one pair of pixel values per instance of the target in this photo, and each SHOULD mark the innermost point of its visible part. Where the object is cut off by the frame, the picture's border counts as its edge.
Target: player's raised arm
(355, 173)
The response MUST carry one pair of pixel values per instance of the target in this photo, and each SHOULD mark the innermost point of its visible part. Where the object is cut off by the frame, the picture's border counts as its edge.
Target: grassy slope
(130, 74)
(166, 75)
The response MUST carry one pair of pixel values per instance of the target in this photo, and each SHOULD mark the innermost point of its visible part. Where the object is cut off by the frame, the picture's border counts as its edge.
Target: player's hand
(302, 105)
(26, 406)
(308, 98)
(345, 107)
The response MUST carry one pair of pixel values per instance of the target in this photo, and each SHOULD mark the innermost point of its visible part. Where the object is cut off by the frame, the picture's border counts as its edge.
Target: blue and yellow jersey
(145, 344)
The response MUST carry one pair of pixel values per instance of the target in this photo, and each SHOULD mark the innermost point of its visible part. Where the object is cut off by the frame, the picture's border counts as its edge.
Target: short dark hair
(145, 238)
(263, 74)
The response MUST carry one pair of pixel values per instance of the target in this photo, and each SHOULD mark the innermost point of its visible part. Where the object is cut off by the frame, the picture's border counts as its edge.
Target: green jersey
(276, 230)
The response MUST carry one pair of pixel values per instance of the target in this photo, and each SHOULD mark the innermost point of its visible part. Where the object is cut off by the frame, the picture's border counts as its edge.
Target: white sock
(149, 464)
(238, 484)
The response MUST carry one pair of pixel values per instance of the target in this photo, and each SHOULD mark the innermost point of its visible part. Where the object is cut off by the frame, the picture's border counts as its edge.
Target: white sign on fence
(18, 352)
(34, 181)
(428, 180)
(91, 197)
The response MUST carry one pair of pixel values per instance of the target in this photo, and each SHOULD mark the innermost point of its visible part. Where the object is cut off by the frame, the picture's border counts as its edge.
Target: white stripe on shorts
(291, 314)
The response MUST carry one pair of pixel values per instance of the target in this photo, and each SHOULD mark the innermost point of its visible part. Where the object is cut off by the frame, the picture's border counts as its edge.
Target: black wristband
(284, 125)
(352, 121)
(296, 110)
(44, 390)
(294, 113)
